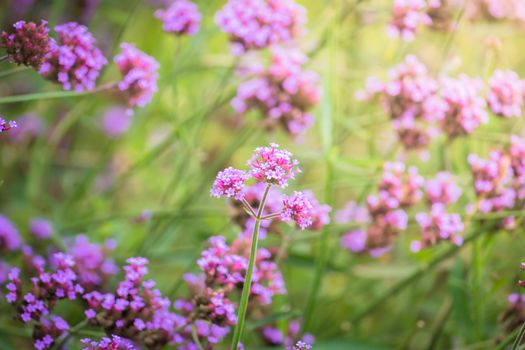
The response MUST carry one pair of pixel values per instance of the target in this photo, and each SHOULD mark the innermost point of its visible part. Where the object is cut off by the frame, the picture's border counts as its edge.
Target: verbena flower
(28, 127)
(229, 183)
(9, 237)
(74, 62)
(320, 213)
(6, 126)
(300, 345)
(28, 44)
(49, 329)
(273, 165)
(274, 336)
(139, 71)
(182, 17)
(116, 121)
(442, 189)
(407, 17)
(298, 208)
(465, 110)
(506, 94)
(256, 24)
(113, 343)
(40, 228)
(284, 92)
(352, 213)
(438, 226)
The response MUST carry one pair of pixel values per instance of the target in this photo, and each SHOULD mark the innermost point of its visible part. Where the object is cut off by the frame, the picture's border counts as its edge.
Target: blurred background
(147, 186)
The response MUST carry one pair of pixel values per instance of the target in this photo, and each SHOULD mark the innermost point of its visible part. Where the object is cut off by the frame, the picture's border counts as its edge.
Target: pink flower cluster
(438, 226)
(257, 24)
(507, 94)
(407, 17)
(139, 71)
(273, 165)
(494, 9)
(301, 345)
(298, 208)
(28, 44)
(9, 236)
(401, 188)
(182, 17)
(113, 343)
(223, 273)
(284, 92)
(229, 183)
(74, 62)
(417, 103)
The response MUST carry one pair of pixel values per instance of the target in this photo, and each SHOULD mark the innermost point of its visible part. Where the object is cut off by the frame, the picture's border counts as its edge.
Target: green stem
(243, 304)
(196, 337)
(3, 58)
(9, 72)
(519, 337)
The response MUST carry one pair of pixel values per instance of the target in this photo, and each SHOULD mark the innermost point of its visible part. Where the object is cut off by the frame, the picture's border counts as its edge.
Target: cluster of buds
(257, 24)
(136, 310)
(507, 94)
(28, 44)
(113, 343)
(284, 92)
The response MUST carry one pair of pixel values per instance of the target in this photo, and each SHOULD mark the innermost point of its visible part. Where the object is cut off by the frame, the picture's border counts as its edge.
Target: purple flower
(442, 189)
(465, 110)
(320, 213)
(182, 17)
(41, 228)
(300, 345)
(506, 95)
(407, 16)
(6, 126)
(352, 213)
(74, 62)
(438, 226)
(256, 24)
(298, 208)
(113, 343)
(284, 92)
(229, 183)
(28, 44)
(9, 237)
(355, 241)
(116, 121)
(139, 71)
(29, 126)
(273, 165)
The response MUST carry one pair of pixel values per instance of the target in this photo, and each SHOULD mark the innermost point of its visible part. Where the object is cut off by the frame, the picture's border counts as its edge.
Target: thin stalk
(3, 58)
(9, 72)
(196, 337)
(60, 344)
(271, 216)
(519, 337)
(243, 304)
(53, 95)
(248, 207)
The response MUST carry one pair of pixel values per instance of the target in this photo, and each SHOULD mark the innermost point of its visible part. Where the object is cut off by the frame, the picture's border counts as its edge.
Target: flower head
(40, 228)
(229, 183)
(5, 126)
(298, 208)
(256, 24)
(28, 44)
(181, 17)
(442, 189)
(140, 75)
(407, 16)
(113, 343)
(74, 62)
(9, 237)
(507, 94)
(273, 165)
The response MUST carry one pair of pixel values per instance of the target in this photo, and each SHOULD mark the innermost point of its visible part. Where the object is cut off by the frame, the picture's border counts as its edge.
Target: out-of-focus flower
(139, 71)
(28, 126)
(116, 121)
(256, 24)
(229, 183)
(352, 213)
(273, 165)
(301, 345)
(40, 228)
(320, 213)
(298, 208)
(401, 184)
(407, 17)
(9, 237)
(74, 62)
(47, 330)
(442, 189)
(438, 226)
(506, 95)
(28, 44)
(182, 17)
(465, 107)
(284, 92)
